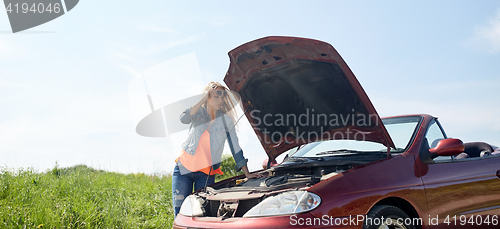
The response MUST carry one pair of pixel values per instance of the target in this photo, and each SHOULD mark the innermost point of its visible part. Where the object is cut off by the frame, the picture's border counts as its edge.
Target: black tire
(390, 218)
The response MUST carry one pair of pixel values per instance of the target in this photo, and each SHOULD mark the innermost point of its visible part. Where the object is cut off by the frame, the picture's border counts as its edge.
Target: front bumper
(304, 220)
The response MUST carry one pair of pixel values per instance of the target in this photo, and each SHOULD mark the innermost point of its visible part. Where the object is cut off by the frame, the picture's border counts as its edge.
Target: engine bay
(236, 196)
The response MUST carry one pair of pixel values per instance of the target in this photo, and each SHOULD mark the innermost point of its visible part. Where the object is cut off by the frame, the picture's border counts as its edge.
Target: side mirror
(448, 147)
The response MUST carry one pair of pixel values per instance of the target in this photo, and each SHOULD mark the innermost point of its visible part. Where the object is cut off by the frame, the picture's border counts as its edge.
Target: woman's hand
(250, 175)
(206, 96)
(203, 100)
(254, 175)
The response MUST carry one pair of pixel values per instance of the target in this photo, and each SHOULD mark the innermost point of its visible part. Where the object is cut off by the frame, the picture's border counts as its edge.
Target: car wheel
(387, 217)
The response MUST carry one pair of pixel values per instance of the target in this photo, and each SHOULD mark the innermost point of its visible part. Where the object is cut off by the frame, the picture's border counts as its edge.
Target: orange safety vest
(202, 158)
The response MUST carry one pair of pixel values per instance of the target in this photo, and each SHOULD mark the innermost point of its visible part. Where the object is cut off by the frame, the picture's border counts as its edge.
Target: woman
(210, 119)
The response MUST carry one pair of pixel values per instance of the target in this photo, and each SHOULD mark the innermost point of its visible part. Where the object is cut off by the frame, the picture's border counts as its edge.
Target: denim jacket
(199, 123)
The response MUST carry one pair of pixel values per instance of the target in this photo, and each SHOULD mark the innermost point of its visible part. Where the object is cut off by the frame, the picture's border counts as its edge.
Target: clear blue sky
(64, 84)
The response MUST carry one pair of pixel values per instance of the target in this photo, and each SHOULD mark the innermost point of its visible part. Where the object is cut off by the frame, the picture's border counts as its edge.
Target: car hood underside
(295, 91)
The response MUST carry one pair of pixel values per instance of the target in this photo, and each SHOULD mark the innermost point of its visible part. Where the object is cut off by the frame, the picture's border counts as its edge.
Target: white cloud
(218, 21)
(12, 85)
(3, 46)
(488, 36)
(129, 69)
(154, 28)
(467, 120)
(124, 57)
(9, 48)
(183, 41)
(139, 54)
(466, 109)
(75, 129)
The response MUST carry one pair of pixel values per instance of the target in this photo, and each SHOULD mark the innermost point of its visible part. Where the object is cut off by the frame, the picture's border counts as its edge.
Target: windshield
(401, 130)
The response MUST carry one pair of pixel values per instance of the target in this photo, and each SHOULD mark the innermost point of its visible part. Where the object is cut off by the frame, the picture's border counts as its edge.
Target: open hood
(296, 90)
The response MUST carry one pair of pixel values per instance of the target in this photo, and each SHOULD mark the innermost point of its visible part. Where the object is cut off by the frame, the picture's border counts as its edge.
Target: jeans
(182, 186)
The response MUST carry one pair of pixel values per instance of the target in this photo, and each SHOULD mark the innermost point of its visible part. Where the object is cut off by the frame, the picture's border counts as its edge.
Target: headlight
(192, 206)
(285, 204)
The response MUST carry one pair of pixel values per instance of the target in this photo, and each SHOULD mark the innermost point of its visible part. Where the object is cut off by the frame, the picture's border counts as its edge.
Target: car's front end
(302, 99)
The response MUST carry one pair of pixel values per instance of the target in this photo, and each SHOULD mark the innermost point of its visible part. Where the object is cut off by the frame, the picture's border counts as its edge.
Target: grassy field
(83, 197)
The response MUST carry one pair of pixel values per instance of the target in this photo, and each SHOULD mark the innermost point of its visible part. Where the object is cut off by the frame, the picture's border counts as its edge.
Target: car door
(461, 193)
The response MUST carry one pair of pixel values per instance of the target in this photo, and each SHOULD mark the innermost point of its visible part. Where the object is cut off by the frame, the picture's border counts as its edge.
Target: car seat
(477, 149)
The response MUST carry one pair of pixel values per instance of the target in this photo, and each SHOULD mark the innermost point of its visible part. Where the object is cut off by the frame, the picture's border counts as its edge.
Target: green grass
(83, 197)
(227, 166)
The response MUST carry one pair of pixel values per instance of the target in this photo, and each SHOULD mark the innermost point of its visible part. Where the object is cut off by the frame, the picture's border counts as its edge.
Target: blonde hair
(230, 100)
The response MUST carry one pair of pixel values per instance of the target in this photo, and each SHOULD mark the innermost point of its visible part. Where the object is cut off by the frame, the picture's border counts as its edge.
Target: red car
(345, 167)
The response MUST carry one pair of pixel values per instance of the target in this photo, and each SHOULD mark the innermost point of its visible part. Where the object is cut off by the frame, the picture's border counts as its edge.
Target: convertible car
(345, 167)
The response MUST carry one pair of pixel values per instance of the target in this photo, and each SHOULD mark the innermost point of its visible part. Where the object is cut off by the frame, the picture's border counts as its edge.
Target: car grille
(243, 207)
(214, 206)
